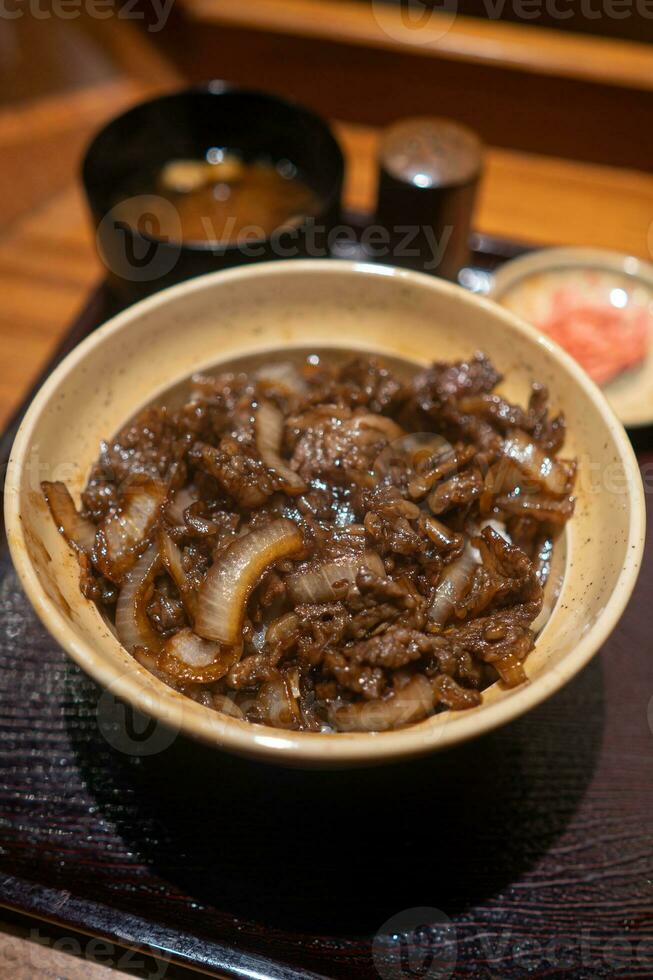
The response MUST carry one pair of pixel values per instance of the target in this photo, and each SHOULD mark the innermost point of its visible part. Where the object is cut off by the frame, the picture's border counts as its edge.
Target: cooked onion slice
(442, 537)
(77, 530)
(276, 704)
(537, 506)
(269, 435)
(556, 476)
(193, 660)
(510, 670)
(381, 423)
(225, 590)
(181, 500)
(171, 557)
(282, 377)
(452, 587)
(227, 706)
(132, 623)
(321, 583)
(282, 630)
(121, 536)
(411, 703)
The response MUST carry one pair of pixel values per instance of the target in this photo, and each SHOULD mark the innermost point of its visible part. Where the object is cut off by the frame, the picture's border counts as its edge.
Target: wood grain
(516, 109)
(24, 958)
(48, 261)
(488, 42)
(534, 198)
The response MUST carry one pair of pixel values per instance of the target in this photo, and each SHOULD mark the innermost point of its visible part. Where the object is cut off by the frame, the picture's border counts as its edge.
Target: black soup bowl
(121, 165)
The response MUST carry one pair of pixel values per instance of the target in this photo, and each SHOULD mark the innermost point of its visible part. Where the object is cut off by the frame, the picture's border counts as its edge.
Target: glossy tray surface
(526, 852)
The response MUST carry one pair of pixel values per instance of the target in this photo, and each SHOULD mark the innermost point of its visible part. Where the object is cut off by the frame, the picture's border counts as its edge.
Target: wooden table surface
(48, 262)
(47, 256)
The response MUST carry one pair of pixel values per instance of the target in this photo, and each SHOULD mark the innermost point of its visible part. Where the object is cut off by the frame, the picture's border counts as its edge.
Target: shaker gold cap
(428, 151)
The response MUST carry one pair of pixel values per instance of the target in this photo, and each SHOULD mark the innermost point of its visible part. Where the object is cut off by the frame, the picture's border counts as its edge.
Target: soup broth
(220, 199)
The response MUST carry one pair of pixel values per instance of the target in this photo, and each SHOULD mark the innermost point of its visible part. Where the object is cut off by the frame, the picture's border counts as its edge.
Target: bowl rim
(309, 748)
(568, 257)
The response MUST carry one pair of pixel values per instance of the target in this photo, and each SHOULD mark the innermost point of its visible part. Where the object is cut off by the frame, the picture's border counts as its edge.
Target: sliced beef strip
(459, 490)
(366, 381)
(166, 612)
(397, 647)
(331, 445)
(390, 522)
(360, 438)
(367, 681)
(445, 382)
(506, 576)
(242, 476)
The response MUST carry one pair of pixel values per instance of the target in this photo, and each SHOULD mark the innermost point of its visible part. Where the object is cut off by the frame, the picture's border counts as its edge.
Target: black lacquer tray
(525, 853)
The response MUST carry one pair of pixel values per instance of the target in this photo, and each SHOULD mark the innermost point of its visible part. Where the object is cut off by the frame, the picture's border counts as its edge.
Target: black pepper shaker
(428, 175)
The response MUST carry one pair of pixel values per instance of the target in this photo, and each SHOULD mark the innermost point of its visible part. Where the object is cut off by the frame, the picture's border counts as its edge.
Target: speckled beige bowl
(327, 304)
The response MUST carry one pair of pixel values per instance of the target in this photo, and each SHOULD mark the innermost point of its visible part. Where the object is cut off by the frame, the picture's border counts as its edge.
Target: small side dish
(600, 318)
(326, 545)
(598, 306)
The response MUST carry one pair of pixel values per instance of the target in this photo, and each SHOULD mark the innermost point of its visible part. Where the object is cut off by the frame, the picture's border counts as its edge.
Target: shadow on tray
(340, 852)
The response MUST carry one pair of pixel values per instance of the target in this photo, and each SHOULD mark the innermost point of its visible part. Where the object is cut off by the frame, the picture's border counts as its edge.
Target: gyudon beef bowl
(324, 513)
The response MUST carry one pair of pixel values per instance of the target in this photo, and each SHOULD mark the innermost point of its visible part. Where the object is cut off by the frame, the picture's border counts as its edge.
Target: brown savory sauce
(327, 543)
(221, 199)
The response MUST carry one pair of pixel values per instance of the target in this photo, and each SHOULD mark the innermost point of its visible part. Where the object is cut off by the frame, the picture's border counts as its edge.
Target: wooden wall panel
(513, 109)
